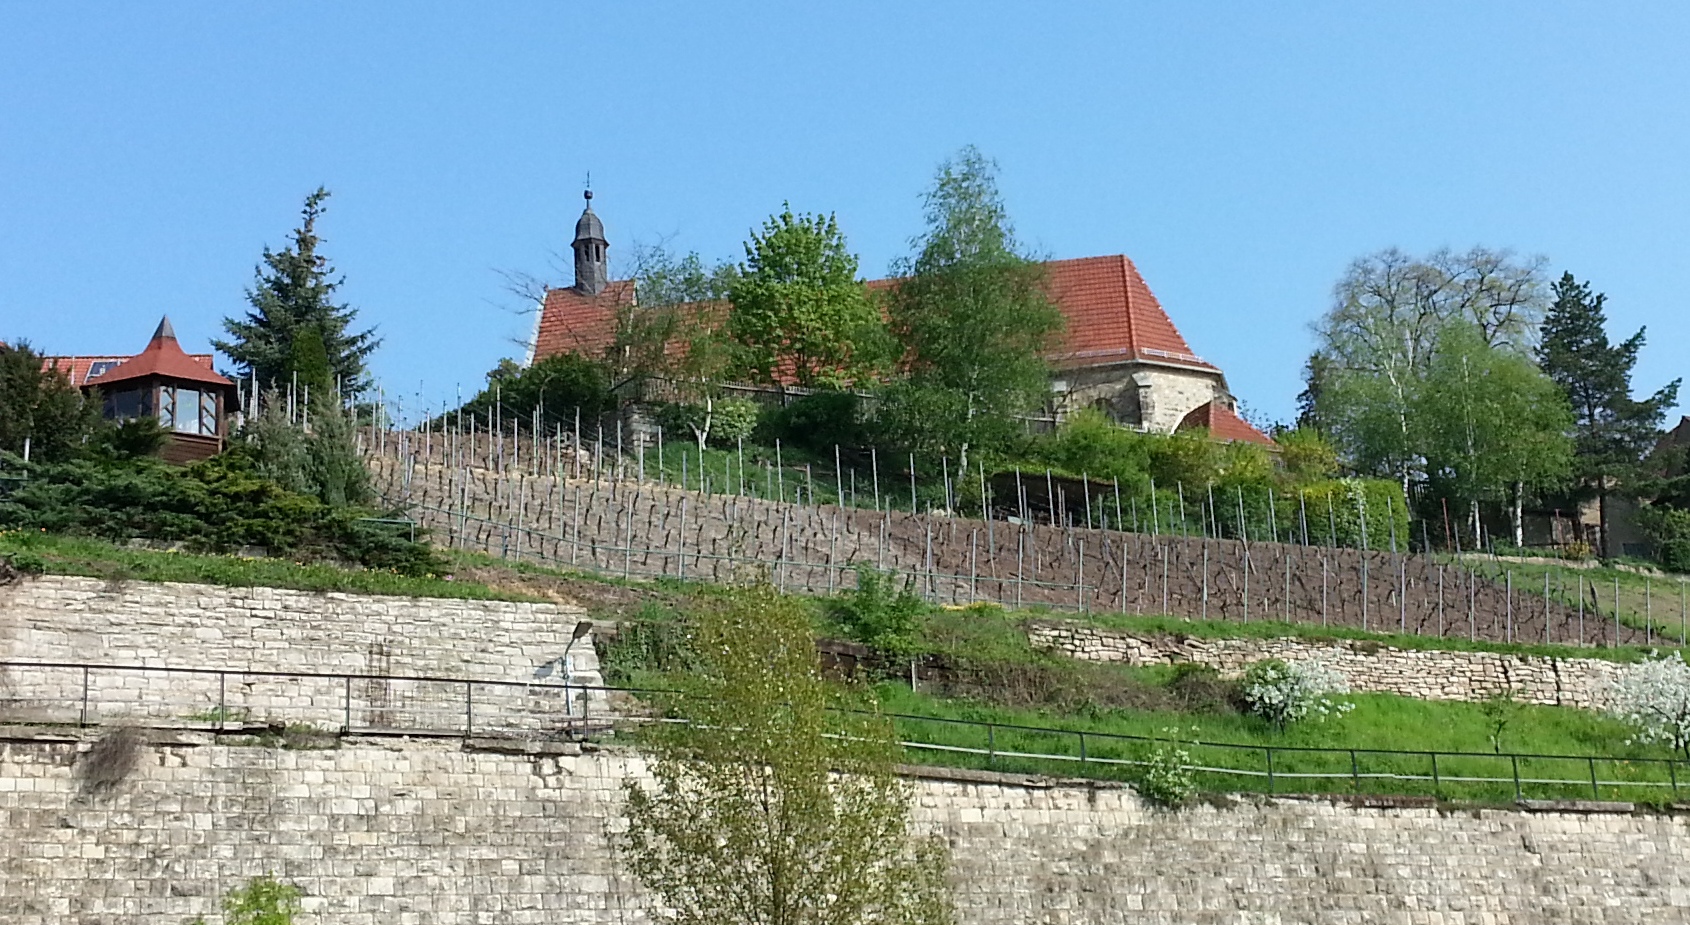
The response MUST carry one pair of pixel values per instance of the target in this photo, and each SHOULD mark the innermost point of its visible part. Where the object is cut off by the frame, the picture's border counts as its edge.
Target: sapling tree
(1653, 696)
(767, 805)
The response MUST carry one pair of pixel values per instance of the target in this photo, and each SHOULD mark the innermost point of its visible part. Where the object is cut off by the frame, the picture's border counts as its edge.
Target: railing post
(346, 721)
(1594, 793)
(222, 699)
(1355, 774)
(1672, 772)
(469, 708)
(1082, 748)
(1515, 761)
(82, 718)
(1437, 786)
(1269, 750)
(991, 745)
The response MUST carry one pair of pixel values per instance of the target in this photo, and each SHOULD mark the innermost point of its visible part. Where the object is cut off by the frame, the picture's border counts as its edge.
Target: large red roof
(1111, 317)
(1224, 424)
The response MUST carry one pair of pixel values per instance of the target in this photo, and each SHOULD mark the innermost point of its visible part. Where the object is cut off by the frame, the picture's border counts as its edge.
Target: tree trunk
(1517, 509)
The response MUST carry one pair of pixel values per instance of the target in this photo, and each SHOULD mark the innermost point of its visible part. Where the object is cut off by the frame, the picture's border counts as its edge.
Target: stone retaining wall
(246, 632)
(1423, 673)
(382, 833)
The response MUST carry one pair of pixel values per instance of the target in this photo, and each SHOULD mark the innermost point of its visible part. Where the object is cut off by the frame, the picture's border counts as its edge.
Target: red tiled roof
(86, 370)
(571, 322)
(1111, 317)
(1224, 424)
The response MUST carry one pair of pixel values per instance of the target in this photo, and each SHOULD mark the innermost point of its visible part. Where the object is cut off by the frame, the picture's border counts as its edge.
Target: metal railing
(350, 703)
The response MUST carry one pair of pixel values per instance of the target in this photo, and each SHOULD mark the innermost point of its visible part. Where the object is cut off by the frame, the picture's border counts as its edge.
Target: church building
(1120, 353)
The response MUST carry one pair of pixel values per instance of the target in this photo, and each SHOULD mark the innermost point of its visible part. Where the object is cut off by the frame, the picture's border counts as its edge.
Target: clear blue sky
(1241, 153)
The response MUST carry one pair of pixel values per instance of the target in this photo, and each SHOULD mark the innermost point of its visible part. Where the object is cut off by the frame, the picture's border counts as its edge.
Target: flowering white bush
(1286, 692)
(1654, 697)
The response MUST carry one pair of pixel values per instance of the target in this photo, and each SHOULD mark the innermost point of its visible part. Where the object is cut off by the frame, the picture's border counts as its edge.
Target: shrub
(816, 422)
(1168, 778)
(262, 901)
(652, 639)
(880, 615)
(1286, 692)
(731, 420)
(1669, 530)
(217, 505)
(1653, 696)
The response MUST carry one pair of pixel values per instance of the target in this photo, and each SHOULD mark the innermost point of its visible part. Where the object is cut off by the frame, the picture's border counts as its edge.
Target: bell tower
(591, 270)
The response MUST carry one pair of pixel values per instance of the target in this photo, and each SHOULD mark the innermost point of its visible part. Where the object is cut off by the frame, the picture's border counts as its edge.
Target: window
(192, 412)
(167, 407)
(124, 406)
(208, 414)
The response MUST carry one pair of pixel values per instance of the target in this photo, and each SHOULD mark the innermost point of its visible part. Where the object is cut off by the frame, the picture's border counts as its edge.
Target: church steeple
(591, 271)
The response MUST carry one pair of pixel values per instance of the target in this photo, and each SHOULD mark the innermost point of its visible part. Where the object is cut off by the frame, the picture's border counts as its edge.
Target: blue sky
(1241, 153)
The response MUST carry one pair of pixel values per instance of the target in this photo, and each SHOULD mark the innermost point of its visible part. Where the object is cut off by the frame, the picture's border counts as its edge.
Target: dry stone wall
(1422, 673)
(249, 648)
(377, 833)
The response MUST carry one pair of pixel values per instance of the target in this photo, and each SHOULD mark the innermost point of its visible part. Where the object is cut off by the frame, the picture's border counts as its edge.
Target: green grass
(1389, 735)
(60, 555)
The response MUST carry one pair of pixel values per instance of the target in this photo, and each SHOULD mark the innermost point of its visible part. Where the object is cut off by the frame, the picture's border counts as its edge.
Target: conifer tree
(293, 303)
(1613, 431)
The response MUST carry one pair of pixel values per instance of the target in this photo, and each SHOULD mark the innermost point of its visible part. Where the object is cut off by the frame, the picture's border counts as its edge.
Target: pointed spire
(165, 331)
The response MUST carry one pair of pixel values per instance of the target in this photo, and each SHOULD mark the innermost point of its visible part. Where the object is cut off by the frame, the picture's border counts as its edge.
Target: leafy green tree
(1490, 425)
(798, 309)
(336, 468)
(767, 805)
(1612, 431)
(554, 388)
(292, 299)
(1377, 341)
(42, 407)
(972, 317)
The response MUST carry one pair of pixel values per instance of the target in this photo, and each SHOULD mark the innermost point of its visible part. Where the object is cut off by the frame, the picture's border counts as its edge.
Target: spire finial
(588, 193)
(164, 329)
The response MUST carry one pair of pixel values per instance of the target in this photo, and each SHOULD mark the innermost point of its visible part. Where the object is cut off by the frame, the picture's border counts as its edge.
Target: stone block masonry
(382, 832)
(1368, 666)
(248, 631)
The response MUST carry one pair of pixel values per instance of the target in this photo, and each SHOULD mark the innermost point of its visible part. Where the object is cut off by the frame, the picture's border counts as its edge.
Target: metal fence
(232, 701)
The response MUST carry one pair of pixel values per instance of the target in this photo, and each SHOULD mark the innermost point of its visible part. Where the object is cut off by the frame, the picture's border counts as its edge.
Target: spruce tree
(292, 298)
(1612, 431)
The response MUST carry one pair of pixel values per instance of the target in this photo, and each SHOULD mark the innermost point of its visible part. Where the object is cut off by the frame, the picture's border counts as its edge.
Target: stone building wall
(248, 633)
(377, 833)
(1426, 674)
(1155, 398)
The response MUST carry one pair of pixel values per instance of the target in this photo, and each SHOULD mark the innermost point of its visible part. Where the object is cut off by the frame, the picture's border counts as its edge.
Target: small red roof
(163, 358)
(1224, 424)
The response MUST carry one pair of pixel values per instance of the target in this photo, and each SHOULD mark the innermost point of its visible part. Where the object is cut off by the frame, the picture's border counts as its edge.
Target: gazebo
(186, 396)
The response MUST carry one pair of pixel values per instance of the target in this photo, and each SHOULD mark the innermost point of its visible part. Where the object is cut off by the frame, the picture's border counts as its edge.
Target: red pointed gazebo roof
(164, 359)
